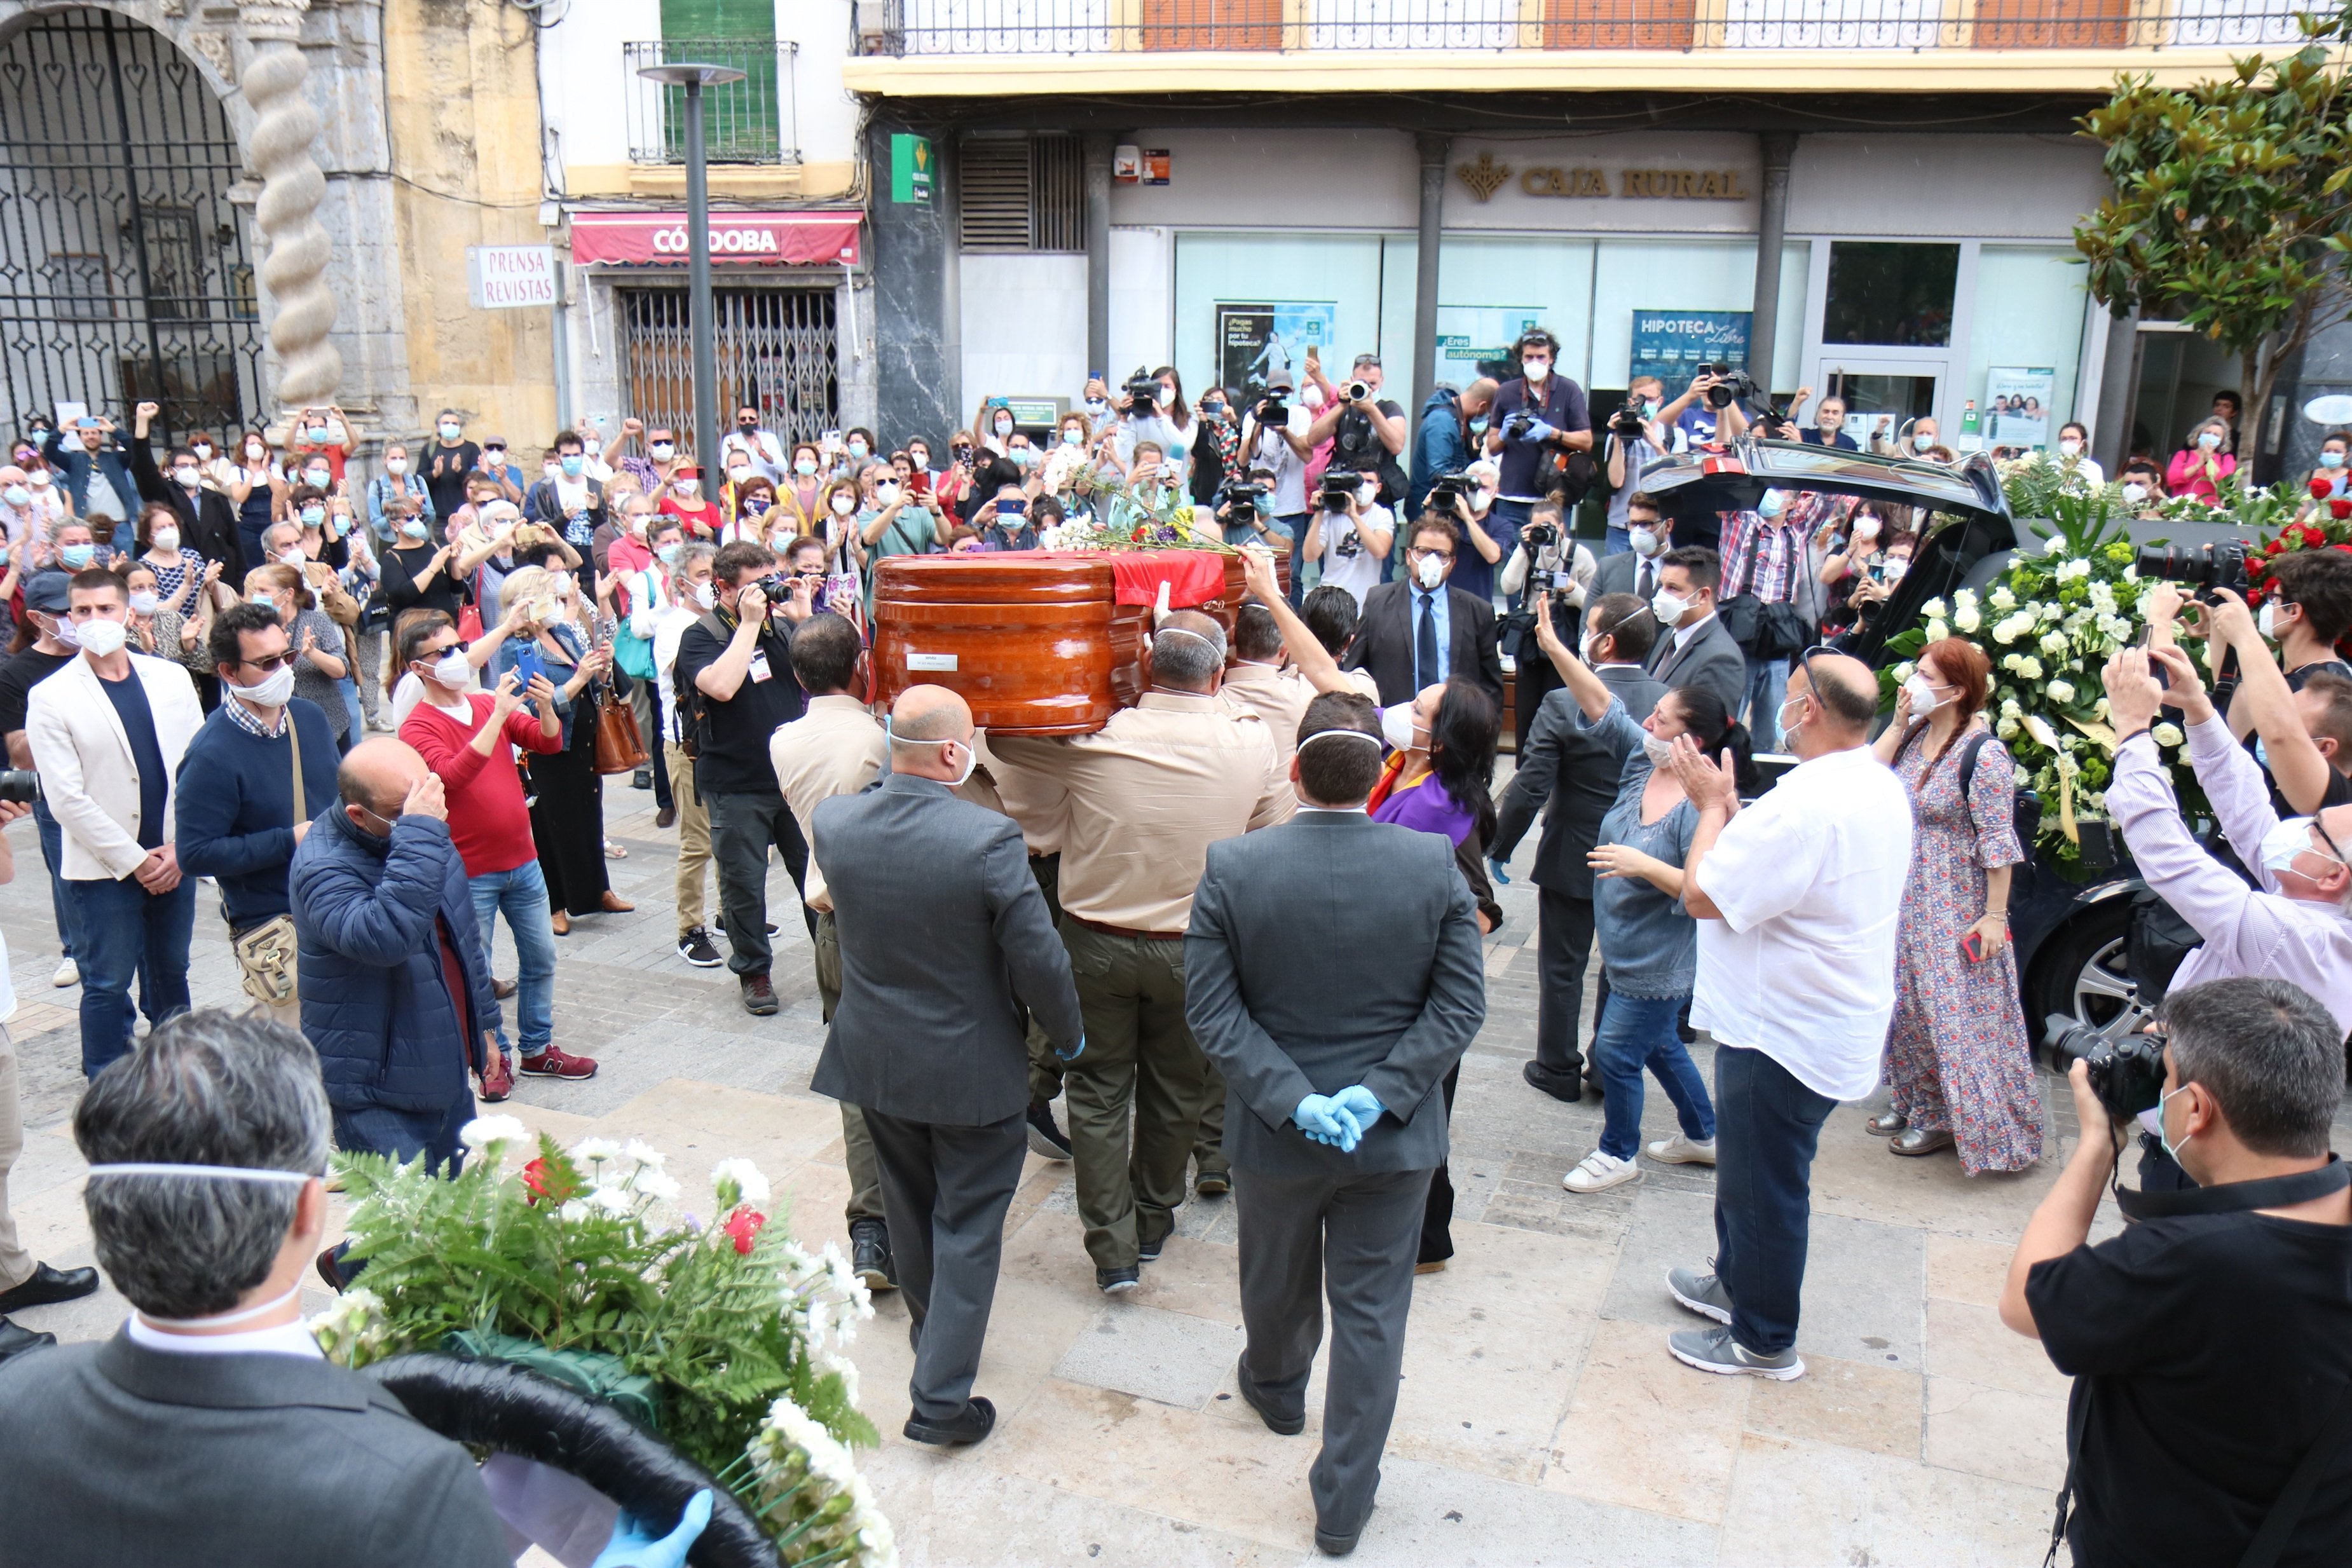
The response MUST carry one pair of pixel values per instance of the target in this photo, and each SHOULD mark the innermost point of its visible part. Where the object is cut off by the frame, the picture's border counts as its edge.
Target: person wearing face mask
(52, 648)
(855, 451)
(1959, 1062)
(571, 503)
(750, 506)
(1164, 421)
(107, 733)
(320, 661)
(1416, 632)
(1918, 438)
(648, 595)
(1627, 456)
(567, 801)
(2222, 1312)
(1445, 442)
(254, 492)
(2330, 471)
(1007, 524)
(446, 462)
(757, 444)
(681, 497)
(94, 469)
(1797, 898)
(1216, 448)
(1698, 421)
(255, 776)
(845, 541)
(184, 581)
(23, 526)
(1558, 422)
(687, 594)
(2073, 460)
(2143, 488)
(2306, 613)
(800, 489)
(468, 739)
(1351, 539)
(2197, 468)
(398, 480)
(1649, 535)
(208, 520)
(1768, 585)
(1648, 941)
(326, 435)
(894, 522)
(1693, 647)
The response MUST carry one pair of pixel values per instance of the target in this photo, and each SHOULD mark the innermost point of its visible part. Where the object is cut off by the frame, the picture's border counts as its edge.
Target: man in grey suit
(1569, 778)
(209, 1431)
(943, 929)
(1635, 570)
(1333, 1052)
(1698, 650)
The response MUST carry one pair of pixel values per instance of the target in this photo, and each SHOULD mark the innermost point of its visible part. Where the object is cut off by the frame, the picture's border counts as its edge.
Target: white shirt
(1359, 573)
(665, 640)
(1289, 469)
(7, 986)
(1809, 884)
(285, 1339)
(1683, 635)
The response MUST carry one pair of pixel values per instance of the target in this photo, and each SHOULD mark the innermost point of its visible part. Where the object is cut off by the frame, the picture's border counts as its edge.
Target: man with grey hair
(209, 1430)
(2211, 1341)
(1145, 797)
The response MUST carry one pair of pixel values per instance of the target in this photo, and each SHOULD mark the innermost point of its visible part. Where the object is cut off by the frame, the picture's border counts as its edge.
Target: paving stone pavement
(1540, 1421)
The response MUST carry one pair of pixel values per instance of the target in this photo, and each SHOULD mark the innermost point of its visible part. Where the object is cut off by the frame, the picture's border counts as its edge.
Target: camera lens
(20, 786)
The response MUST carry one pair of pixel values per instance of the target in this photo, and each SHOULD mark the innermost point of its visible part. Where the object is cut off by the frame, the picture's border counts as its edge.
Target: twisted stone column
(293, 271)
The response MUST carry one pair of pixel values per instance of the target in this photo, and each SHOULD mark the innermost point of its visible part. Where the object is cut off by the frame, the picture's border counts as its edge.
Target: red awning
(737, 239)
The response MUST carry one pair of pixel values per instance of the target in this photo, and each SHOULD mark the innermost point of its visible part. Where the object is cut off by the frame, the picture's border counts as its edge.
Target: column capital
(1435, 148)
(272, 21)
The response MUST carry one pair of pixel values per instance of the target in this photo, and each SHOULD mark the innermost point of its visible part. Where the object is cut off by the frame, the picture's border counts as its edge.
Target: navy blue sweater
(235, 807)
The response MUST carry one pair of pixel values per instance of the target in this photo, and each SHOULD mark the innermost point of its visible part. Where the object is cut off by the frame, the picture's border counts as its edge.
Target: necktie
(1424, 645)
(1646, 587)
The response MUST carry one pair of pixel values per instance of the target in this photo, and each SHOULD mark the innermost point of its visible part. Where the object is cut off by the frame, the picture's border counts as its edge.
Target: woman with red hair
(1958, 1057)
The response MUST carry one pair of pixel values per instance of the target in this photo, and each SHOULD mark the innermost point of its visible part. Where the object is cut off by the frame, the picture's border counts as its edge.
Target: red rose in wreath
(743, 1226)
(2340, 508)
(2321, 489)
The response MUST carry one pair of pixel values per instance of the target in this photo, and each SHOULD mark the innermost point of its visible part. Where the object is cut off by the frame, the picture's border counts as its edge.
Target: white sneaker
(1601, 1172)
(69, 974)
(1679, 1150)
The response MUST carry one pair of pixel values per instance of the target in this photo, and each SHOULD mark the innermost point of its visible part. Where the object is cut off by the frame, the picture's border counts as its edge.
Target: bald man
(941, 930)
(1796, 897)
(395, 996)
(1143, 799)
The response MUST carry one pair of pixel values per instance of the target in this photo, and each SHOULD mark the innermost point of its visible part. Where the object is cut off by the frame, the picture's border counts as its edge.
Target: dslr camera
(2126, 1074)
(2203, 566)
(1730, 384)
(1539, 536)
(1357, 391)
(1141, 388)
(19, 786)
(1516, 422)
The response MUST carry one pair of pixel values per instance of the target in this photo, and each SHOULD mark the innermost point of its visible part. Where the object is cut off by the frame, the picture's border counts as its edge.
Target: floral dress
(1958, 1056)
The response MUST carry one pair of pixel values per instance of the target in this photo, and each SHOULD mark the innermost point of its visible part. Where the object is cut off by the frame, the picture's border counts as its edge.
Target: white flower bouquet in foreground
(722, 1336)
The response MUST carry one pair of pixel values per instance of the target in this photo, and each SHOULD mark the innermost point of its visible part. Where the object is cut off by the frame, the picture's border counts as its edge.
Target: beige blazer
(89, 777)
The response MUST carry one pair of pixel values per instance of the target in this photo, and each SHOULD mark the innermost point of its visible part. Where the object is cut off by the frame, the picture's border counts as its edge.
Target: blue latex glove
(1325, 1121)
(1357, 1101)
(635, 1545)
(1539, 431)
(1075, 1052)
(1495, 869)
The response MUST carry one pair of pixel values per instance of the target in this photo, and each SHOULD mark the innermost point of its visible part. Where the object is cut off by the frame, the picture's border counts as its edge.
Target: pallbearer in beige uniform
(836, 747)
(1145, 797)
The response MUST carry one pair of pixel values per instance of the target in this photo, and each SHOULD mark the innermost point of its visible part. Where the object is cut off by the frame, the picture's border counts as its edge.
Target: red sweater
(487, 818)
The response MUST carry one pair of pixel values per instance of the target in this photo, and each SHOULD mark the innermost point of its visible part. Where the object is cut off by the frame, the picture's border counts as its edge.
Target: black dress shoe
(975, 1421)
(1335, 1545)
(1561, 1086)
(15, 1339)
(869, 1255)
(49, 1286)
(1280, 1425)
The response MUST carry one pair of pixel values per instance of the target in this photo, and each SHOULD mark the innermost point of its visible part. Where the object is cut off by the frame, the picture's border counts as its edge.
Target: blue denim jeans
(403, 1135)
(1295, 524)
(522, 894)
(1768, 1127)
(1768, 687)
(350, 689)
(1614, 540)
(53, 852)
(126, 931)
(1637, 1033)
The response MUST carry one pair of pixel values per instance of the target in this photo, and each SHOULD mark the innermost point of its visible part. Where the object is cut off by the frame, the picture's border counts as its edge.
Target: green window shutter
(742, 122)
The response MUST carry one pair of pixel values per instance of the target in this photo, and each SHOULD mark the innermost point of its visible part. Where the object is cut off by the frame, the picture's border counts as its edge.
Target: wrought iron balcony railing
(928, 27)
(749, 122)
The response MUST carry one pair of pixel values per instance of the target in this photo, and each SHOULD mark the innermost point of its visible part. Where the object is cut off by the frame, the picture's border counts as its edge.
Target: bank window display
(1891, 294)
(2025, 342)
(1492, 287)
(1248, 304)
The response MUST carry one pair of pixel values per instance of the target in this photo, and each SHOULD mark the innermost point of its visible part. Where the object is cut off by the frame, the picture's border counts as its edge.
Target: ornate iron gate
(775, 353)
(123, 269)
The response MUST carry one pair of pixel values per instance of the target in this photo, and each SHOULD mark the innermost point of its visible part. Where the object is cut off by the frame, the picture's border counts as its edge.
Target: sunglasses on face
(271, 664)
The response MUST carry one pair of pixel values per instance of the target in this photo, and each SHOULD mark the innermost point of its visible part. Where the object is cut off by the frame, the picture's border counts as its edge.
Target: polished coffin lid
(1038, 643)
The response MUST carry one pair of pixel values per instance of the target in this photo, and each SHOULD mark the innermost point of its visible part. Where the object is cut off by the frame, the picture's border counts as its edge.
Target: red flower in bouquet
(548, 1181)
(743, 1226)
(2321, 489)
(2340, 508)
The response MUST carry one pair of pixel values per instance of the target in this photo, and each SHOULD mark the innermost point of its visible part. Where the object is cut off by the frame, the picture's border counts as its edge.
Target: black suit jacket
(1383, 642)
(111, 1454)
(207, 517)
(1573, 779)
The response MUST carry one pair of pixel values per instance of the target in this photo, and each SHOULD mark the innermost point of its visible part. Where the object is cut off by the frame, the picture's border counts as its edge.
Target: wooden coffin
(1037, 643)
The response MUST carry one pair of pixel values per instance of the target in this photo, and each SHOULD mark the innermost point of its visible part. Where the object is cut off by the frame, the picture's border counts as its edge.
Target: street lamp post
(695, 76)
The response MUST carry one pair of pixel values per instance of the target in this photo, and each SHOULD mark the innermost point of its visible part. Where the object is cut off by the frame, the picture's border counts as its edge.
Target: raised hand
(426, 799)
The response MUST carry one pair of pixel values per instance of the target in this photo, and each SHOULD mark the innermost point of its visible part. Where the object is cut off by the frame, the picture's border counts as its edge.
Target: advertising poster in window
(2017, 405)
(1476, 340)
(1255, 340)
(1673, 344)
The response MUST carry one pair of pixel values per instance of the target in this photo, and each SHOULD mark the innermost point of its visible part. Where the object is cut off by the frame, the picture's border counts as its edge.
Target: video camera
(1448, 488)
(1143, 387)
(1273, 412)
(2204, 567)
(1627, 424)
(1239, 495)
(1338, 489)
(2126, 1074)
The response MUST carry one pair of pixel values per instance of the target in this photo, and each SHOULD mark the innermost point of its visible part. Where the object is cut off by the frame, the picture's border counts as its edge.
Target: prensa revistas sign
(660, 239)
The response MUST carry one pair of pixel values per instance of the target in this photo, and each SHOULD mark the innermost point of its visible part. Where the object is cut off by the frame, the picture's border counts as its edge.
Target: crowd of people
(1237, 931)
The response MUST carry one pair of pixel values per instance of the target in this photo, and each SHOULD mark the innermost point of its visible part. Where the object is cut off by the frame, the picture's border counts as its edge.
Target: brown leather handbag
(620, 748)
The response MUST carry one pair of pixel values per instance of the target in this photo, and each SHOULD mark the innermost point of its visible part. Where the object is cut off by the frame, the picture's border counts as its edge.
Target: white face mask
(1783, 723)
(143, 603)
(1004, 427)
(2282, 846)
(1431, 571)
(1536, 371)
(1924, 699)
(663, 451)
(2070, 447)
(450, 429)
(686, 488)
(1895, 567)
(704, 595)
(2267, 622)
(189, 478)
(1397, 726)
(165, 541)
(1668, 608)
(1658, 751)
(452, 670)
(396, 467)
(271, 690)
(2135, 493)
(844, 502)
(1643, 540)
(886, 493)
(103, 638)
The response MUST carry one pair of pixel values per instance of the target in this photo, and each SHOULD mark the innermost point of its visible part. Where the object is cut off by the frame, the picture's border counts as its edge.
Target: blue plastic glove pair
(635, 1545)
(1074, 1052)
(1340, 1119)
(1539, 431)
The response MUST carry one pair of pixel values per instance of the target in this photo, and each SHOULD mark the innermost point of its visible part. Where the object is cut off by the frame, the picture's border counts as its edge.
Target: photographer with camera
(1151, 410)
(1467, 498)
(1556, 573)
(1274, 440)
(1350, 531)
(1366, 430)
(1708, 413)
(1538, 418)
(1638, 436)
(1453, 428)
(2211, 1342)
(1245, 511)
